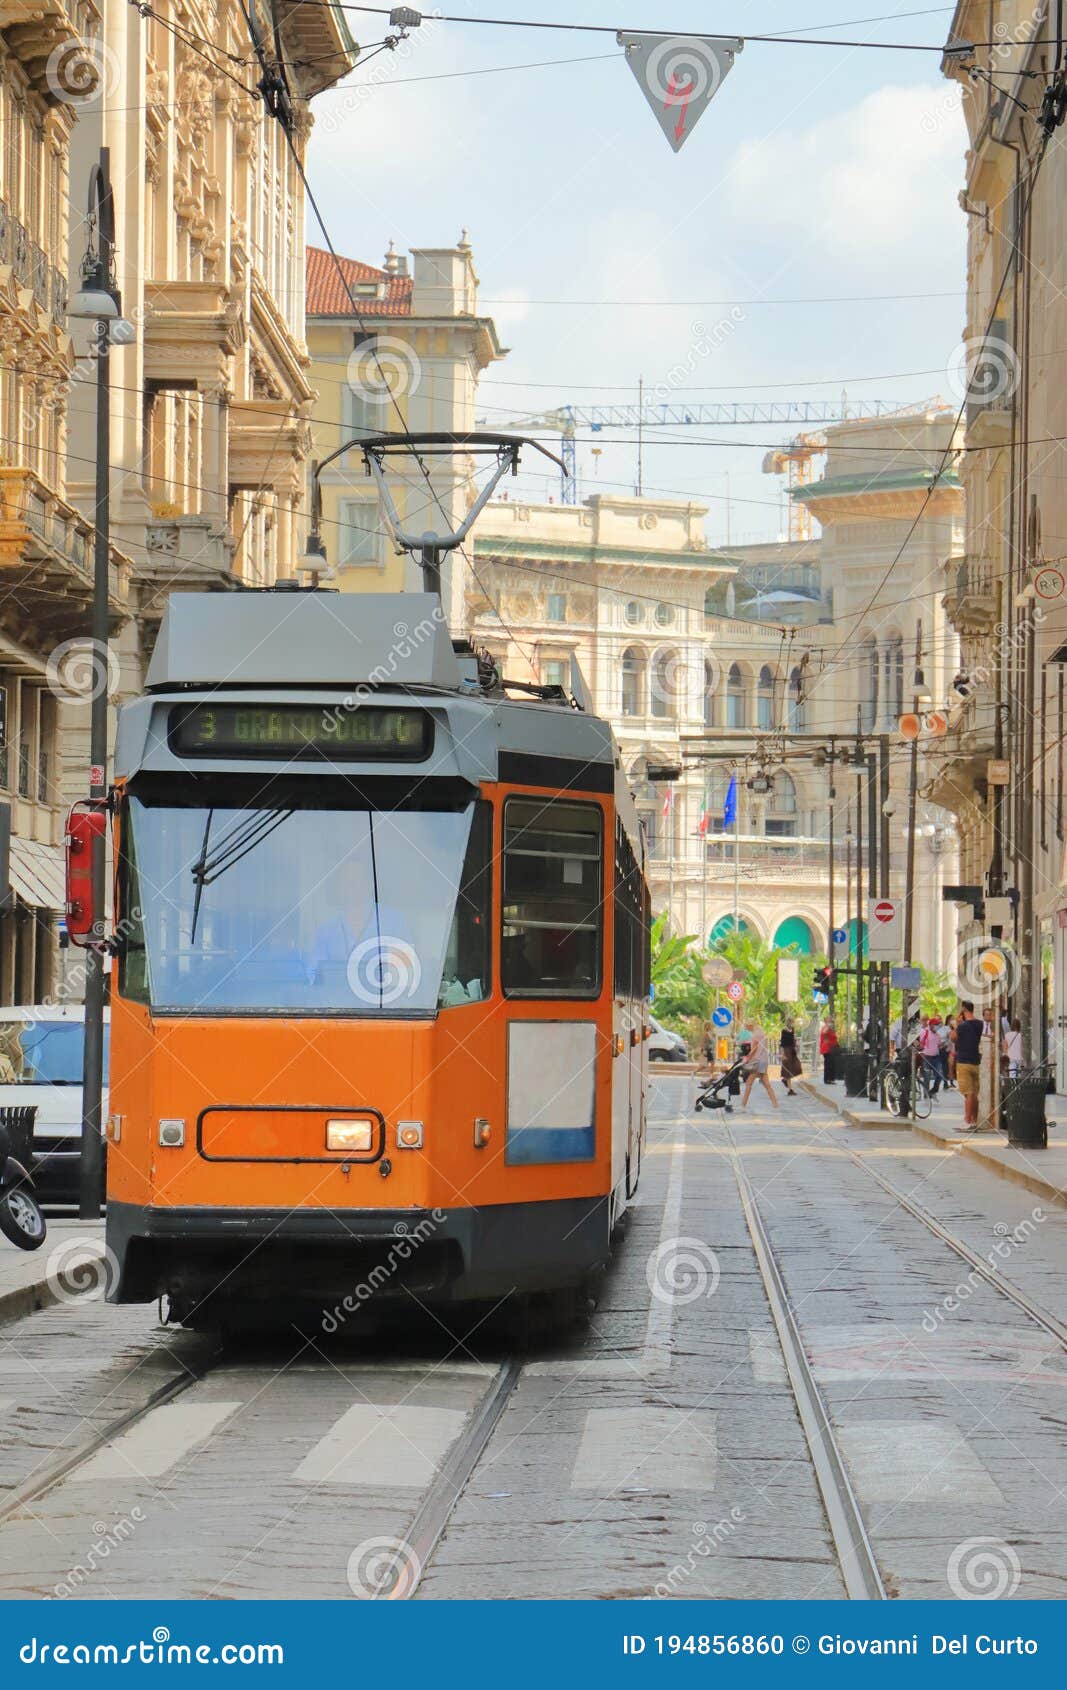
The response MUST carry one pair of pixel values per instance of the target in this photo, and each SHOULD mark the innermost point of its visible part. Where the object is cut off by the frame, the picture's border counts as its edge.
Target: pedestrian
(967, 1045)
(787, 1056)
(930, 1053)
(756, 1064)
(949, 1043)
(827, 1046)
(1013, 1048)
(708, 1040)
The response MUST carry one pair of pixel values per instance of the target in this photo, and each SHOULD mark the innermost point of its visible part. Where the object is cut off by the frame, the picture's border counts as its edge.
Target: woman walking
(756, 1064)
(787, 1055)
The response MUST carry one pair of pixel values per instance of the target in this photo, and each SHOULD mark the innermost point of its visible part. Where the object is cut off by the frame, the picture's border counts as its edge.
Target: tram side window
(465, 977)
(132, 951)
(631, 930)
(552, 904)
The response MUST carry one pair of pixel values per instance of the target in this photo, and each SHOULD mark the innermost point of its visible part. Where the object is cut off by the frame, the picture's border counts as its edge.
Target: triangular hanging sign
(679, 74)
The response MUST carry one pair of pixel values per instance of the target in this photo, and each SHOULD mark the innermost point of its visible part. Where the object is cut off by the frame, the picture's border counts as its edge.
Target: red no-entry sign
(885, 911)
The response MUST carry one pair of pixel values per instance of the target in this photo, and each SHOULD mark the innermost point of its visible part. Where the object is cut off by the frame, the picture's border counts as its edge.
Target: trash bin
(1022, 1111)
(853, 1069)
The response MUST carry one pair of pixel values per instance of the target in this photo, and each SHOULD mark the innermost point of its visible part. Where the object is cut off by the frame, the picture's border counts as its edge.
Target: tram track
(856, 1558)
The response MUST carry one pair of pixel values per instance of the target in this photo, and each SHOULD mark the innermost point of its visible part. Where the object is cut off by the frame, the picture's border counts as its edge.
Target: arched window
(711, 676)
(735, 698)
(869, 686)
(668, 679)
(633, 682)
(780, 820)
(797, 710)
(765, 699)
(896, 674)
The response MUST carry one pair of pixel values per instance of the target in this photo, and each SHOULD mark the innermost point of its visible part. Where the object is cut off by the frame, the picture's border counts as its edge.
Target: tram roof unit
(289, 639)
(323, 649)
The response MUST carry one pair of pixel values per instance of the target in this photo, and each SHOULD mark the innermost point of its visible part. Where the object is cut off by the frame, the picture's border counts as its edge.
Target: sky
(816, 174)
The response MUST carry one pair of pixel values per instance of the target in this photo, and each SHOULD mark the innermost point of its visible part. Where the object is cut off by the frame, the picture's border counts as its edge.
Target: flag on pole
(729, 809)
(668, 801)
(702, 825)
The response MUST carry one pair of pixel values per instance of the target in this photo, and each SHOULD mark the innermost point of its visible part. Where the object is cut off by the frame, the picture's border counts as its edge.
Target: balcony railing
(46, 548)
(973, 594)
(32, 267)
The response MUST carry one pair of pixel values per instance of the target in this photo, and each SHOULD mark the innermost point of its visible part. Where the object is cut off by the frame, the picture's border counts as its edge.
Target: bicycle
(894, 1085)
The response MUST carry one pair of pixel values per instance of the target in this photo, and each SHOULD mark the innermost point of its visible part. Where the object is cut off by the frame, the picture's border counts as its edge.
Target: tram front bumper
(320, 1254)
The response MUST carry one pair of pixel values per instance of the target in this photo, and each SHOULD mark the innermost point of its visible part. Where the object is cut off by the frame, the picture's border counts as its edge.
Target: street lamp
(98, 300)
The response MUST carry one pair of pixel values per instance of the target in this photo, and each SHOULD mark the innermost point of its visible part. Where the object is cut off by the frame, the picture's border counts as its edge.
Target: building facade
(46, 541)
(395, 348)
(1006, 596)
(676, 644)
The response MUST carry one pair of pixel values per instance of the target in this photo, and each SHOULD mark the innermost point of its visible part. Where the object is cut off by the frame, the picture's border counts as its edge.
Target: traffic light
(824, 980)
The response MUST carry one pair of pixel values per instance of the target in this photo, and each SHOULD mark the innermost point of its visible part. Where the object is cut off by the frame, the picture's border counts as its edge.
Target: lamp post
(98, 301)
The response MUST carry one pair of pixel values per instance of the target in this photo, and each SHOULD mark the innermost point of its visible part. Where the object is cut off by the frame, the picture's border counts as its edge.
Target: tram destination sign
(299, 730)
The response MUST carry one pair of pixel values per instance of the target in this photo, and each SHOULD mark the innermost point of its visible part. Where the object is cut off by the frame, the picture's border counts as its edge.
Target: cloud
(874, 183)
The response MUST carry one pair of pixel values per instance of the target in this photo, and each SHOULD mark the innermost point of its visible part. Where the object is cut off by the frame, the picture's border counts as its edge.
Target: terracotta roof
(327, 297)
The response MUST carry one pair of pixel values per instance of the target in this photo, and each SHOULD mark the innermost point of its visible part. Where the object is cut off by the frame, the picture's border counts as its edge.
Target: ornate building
(46, 542)
(408, 355)
(1006, 595)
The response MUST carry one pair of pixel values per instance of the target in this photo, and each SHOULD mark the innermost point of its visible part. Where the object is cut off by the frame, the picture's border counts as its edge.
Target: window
(780, 821)
(359, 538)
(797, 712)
(664, 615)
(668, 680)
(553, 672)
(711, 675)
(633, 682)
(250, 898)
(634, 613)
(552, 900)
(632, 922)
(869, 706)
(735, 698)
(363, 412)
(557, 607)
(896, 674)
(5, 773)
(28, 699)
(765, 699)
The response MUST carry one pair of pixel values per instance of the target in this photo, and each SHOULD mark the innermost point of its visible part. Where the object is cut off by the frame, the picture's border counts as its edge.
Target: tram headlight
(409, 1135)
(356, 1136)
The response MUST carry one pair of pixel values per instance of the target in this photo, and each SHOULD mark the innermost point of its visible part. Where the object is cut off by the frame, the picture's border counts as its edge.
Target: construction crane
(567, 419)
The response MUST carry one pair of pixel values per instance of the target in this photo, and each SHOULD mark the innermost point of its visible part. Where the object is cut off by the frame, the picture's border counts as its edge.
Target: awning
(38, 874)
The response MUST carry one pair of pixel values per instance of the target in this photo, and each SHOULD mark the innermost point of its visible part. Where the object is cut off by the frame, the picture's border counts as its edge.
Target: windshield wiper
(243, 837)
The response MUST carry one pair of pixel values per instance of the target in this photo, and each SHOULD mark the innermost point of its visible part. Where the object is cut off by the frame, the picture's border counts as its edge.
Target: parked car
(665, 1046)
(41, 1052)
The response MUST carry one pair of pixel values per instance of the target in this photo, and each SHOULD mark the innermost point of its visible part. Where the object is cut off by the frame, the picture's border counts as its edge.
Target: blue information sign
(722, 1017)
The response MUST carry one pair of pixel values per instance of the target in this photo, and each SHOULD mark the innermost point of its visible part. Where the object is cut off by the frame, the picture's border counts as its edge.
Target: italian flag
(702, 825)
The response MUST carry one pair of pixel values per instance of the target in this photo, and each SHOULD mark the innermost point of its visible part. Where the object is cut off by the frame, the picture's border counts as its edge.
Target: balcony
(46, 558)
(971, 598)
(31, 265)
(35, 30)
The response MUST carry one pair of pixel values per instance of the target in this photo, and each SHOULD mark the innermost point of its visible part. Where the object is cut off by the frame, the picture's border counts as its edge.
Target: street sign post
(716, 971)
(722, 1017)
(735, 991)
(840, 944)
(885, 929)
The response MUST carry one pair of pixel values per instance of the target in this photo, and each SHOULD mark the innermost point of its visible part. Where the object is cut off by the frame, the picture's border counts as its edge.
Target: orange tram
(381, 935)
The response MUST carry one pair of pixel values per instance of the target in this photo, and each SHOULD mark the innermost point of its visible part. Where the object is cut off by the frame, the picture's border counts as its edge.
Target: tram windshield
(302, 908)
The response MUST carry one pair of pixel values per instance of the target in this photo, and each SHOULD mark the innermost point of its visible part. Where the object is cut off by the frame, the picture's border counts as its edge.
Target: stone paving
(657, 1453)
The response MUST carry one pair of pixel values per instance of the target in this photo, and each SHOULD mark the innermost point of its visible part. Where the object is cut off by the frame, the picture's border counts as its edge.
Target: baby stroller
(711, 1093)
